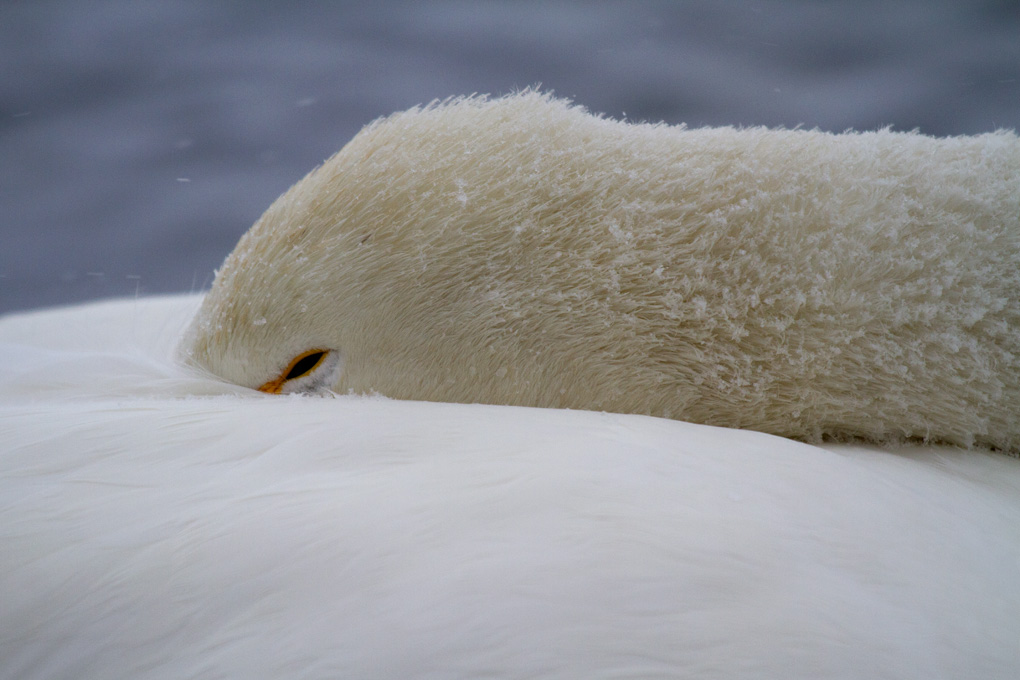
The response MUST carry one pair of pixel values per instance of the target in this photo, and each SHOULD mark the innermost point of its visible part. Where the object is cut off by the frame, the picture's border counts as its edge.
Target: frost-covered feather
(522, 251)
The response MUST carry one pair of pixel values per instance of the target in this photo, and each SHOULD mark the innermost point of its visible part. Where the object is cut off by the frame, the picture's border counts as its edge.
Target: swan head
(379, 273)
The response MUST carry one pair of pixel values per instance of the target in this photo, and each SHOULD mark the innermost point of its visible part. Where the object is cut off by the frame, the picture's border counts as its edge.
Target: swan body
(521, 251)
(160, 524)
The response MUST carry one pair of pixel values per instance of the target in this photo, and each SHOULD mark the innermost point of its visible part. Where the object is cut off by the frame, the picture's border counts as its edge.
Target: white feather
(155, 523)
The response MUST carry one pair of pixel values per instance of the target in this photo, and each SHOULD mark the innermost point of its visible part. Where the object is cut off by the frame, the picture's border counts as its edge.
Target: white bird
(158, 524)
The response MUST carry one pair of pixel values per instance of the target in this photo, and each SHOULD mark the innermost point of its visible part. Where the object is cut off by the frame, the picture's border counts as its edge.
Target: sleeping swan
(522, 251)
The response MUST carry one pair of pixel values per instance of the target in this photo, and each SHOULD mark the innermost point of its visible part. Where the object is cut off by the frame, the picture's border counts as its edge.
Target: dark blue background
(139, 140)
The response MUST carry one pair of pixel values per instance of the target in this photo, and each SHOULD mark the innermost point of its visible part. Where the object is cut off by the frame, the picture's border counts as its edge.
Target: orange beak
(274, 386)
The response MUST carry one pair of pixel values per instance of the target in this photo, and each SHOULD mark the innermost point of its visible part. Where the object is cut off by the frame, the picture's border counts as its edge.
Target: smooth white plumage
(155, 523)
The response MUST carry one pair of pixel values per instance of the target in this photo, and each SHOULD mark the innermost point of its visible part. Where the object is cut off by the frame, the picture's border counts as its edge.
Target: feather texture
(522, 251)
(158, 524)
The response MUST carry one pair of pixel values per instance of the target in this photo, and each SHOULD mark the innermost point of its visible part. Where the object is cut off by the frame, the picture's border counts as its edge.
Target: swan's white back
(158, 524)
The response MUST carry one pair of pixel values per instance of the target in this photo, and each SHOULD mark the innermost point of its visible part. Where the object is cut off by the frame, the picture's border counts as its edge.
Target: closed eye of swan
(303, 365)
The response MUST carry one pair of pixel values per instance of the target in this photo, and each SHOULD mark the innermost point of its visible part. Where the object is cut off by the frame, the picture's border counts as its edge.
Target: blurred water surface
(140, 139)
